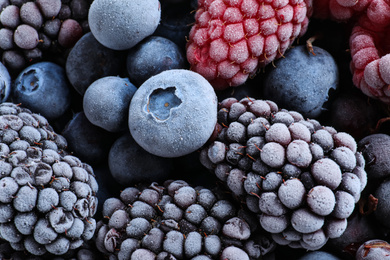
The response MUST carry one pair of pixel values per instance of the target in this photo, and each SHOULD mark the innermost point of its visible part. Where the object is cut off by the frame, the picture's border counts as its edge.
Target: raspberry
(369, 44)
(232, 39)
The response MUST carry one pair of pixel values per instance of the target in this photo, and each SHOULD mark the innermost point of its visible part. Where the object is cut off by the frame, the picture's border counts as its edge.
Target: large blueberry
(130, 164)
(5, 83)
(152, 56)
(173, 113)
(121, 24)
(89, 60)
(106, 103)
(302, 81)
(44, 89)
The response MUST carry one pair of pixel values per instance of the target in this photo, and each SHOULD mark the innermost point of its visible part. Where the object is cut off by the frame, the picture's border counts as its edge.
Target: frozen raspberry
(232, 39)
(370, 49)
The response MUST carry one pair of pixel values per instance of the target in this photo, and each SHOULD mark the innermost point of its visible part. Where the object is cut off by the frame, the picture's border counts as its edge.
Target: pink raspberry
(339, 10)
(370, 50)
(231, 39)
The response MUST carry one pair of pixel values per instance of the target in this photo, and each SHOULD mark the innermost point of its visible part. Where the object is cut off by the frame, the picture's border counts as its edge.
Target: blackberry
(47, 196)
(177, 221)
(298, 177)
(32, 31)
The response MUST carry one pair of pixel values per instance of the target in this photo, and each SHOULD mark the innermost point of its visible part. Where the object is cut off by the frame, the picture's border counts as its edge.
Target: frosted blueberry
(106, 102)
(168, 105)
(134, 21)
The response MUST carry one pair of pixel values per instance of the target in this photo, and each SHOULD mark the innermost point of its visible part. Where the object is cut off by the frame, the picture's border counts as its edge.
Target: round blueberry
(43, 88)
(106, 102)
(302, 81)
(173, 113)
(152, 56)
(129, 163)
(134, 20)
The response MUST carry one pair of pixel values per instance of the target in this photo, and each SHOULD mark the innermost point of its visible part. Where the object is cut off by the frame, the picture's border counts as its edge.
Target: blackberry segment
(301, 179)
(48, 197)
(196, 223)
(32, 31)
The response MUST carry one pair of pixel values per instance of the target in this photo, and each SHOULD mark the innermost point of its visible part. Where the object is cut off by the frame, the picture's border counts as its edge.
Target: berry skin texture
(232, 39)
(121, 24)
(374, 249)
(173, 113)
(302, 81)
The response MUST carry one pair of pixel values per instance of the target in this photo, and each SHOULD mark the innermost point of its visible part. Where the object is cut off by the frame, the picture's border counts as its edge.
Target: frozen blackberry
(177, 221)
(40, 30)
(48, 197)
(295, 174)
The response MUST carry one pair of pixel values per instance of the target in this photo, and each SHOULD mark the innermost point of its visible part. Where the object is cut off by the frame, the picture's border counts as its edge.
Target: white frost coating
(121, 24)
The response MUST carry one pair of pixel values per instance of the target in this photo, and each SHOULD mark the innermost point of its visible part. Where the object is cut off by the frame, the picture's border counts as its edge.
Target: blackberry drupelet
(300, 178)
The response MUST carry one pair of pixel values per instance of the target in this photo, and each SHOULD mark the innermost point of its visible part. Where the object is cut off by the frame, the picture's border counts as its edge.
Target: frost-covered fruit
(382, 212)
(230, 40)
(370, 52)
(134, 21)
(302, 179)
(177, 221)
(106, 103)
(44, 89)
(89, 60)
(302, 81)
(33, 31)
(48, 197)
(376, 150)
(319, 255)
(175, 18)
(152, 56)
(375, 249)
(129, 163)
(87, 141)
(173, 113)
(5, 83)
(352, 112)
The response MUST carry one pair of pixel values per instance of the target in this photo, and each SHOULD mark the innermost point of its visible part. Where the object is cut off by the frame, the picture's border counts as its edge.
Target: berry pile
(302, 179)
(48, 197)
(177, 221)
(35, 30)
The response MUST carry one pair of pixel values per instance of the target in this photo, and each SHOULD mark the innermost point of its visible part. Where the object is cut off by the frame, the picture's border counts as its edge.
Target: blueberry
(5, 83)
(89, 60)
(106, 102)
(43, 88)
(176, 15)
(302, 81)
(375, 149)
(152, 56)
(129, 163)
(134, 20)
(89, 142)
(173, 113)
